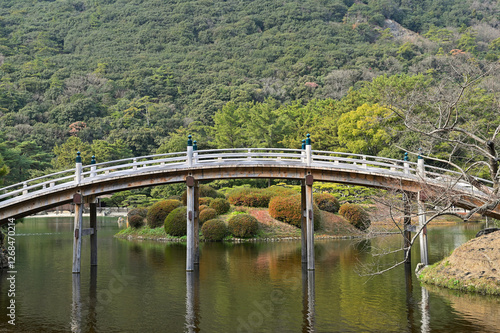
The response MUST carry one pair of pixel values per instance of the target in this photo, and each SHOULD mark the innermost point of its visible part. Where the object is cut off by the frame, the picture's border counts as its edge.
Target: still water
(252, 287)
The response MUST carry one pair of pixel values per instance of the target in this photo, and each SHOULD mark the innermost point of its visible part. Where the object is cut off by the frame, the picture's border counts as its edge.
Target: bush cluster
(158, 212)
(141, 211)
(207, 214)
(288, 209)
(250, 197)
(243, 225)
(326, 202)
(214, 230)
(176, 222)
(135, 221)
(204, 192)
(220, 205)
(205, 201)
(202, 207)
(356, 215)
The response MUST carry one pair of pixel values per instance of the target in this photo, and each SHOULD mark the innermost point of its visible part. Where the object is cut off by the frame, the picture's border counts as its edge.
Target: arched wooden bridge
(84, 184)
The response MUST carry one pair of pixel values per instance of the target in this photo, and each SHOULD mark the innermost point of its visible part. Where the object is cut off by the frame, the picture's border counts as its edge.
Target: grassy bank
(472, 267)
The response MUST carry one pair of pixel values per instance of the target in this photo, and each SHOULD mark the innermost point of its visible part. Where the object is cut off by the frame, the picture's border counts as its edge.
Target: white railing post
(189, 152)
(93, 167)
(420, 165)
(195, 152)
(406, 164)
(303, 152)
(308, 150)
(78, 168)
(135, 164)
(24, 186)
(249, 152)
(364, 165)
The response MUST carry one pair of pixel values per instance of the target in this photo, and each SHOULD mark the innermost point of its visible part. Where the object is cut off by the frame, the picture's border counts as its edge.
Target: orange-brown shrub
(326, 202)
(356, 215)
(205, 201)
(220, 205)
(288, 209)
(136, 221)
(158, 212)
(250, 197)
(243, 225)
(204, 192)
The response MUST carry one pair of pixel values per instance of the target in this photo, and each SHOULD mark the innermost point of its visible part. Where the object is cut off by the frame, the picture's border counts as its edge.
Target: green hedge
(158, 212)
(220, 205)
(176, 222)
(207, 214)
(214, 230)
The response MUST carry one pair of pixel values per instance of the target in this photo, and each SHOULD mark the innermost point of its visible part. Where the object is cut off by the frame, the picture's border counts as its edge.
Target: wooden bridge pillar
(192, 251)
(93, 235)
(77, 236)
(303, 222)
(407, 227)
(309, 221)
(424, 258)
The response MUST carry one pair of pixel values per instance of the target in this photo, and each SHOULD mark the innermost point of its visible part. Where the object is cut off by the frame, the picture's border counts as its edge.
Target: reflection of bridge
(84, 184)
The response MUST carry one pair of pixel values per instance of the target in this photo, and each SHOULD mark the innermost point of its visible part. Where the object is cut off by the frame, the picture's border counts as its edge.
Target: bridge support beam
(192, 251)
(303, 222)
(407, 227)
(309, 221)
(93, 236)
(77, 236)
(424, 258)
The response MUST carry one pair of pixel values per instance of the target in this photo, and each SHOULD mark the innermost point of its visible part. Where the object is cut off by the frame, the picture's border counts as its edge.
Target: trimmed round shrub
(202, 207)
(207, 214)
(288, 209)
(204, 191)
(135, 221)
(214, 230)
(220, 205)
(176, 222)
(243, 225)
(159, 211)
(356, 215)
(141, 211)
(326, 202)
(205, 201)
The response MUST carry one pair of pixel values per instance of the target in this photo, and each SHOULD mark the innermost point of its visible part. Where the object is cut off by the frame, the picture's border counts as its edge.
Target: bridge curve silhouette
(85, 183)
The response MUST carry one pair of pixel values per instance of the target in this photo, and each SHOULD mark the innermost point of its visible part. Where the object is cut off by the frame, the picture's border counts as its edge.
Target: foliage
(214, 230)
(356, 215)
(136, 221)
(205, 201)
(326, 202)
(141, 211)
(207, 214)
(288, 209)
(159, 211)
(176, 222)
(243, 225)
(250, 197)
(221, 206)
(204, 191)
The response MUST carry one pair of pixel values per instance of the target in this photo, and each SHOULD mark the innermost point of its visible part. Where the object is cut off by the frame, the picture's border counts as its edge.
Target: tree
(458, 123)
(66, 153)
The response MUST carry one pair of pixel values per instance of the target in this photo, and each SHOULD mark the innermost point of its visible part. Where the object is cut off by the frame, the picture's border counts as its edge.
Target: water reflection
(76, 309)
(424, 308)
(308, 300)
(193, 301)
(92, 315)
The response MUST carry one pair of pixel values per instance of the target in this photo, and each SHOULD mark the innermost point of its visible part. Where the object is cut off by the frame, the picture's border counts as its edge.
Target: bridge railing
(95, 172)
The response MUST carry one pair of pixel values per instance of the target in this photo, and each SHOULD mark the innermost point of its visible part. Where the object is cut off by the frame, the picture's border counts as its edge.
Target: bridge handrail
(227, 155)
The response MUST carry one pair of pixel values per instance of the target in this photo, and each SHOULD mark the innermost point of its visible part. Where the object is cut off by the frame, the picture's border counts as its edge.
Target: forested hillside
(118, 78)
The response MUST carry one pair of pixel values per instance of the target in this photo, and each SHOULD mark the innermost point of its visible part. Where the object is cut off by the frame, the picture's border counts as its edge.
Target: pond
(245, 287)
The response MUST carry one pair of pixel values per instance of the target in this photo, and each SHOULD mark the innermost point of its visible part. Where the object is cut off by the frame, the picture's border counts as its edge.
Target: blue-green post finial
(93, 160)
(304, 144)
(420, 154)
(78, 158)
(190, 141)
(406, 157)
(308, 140)
(195, 146)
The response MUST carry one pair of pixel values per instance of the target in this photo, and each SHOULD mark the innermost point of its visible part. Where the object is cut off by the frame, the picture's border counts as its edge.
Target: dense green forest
(120, 78)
